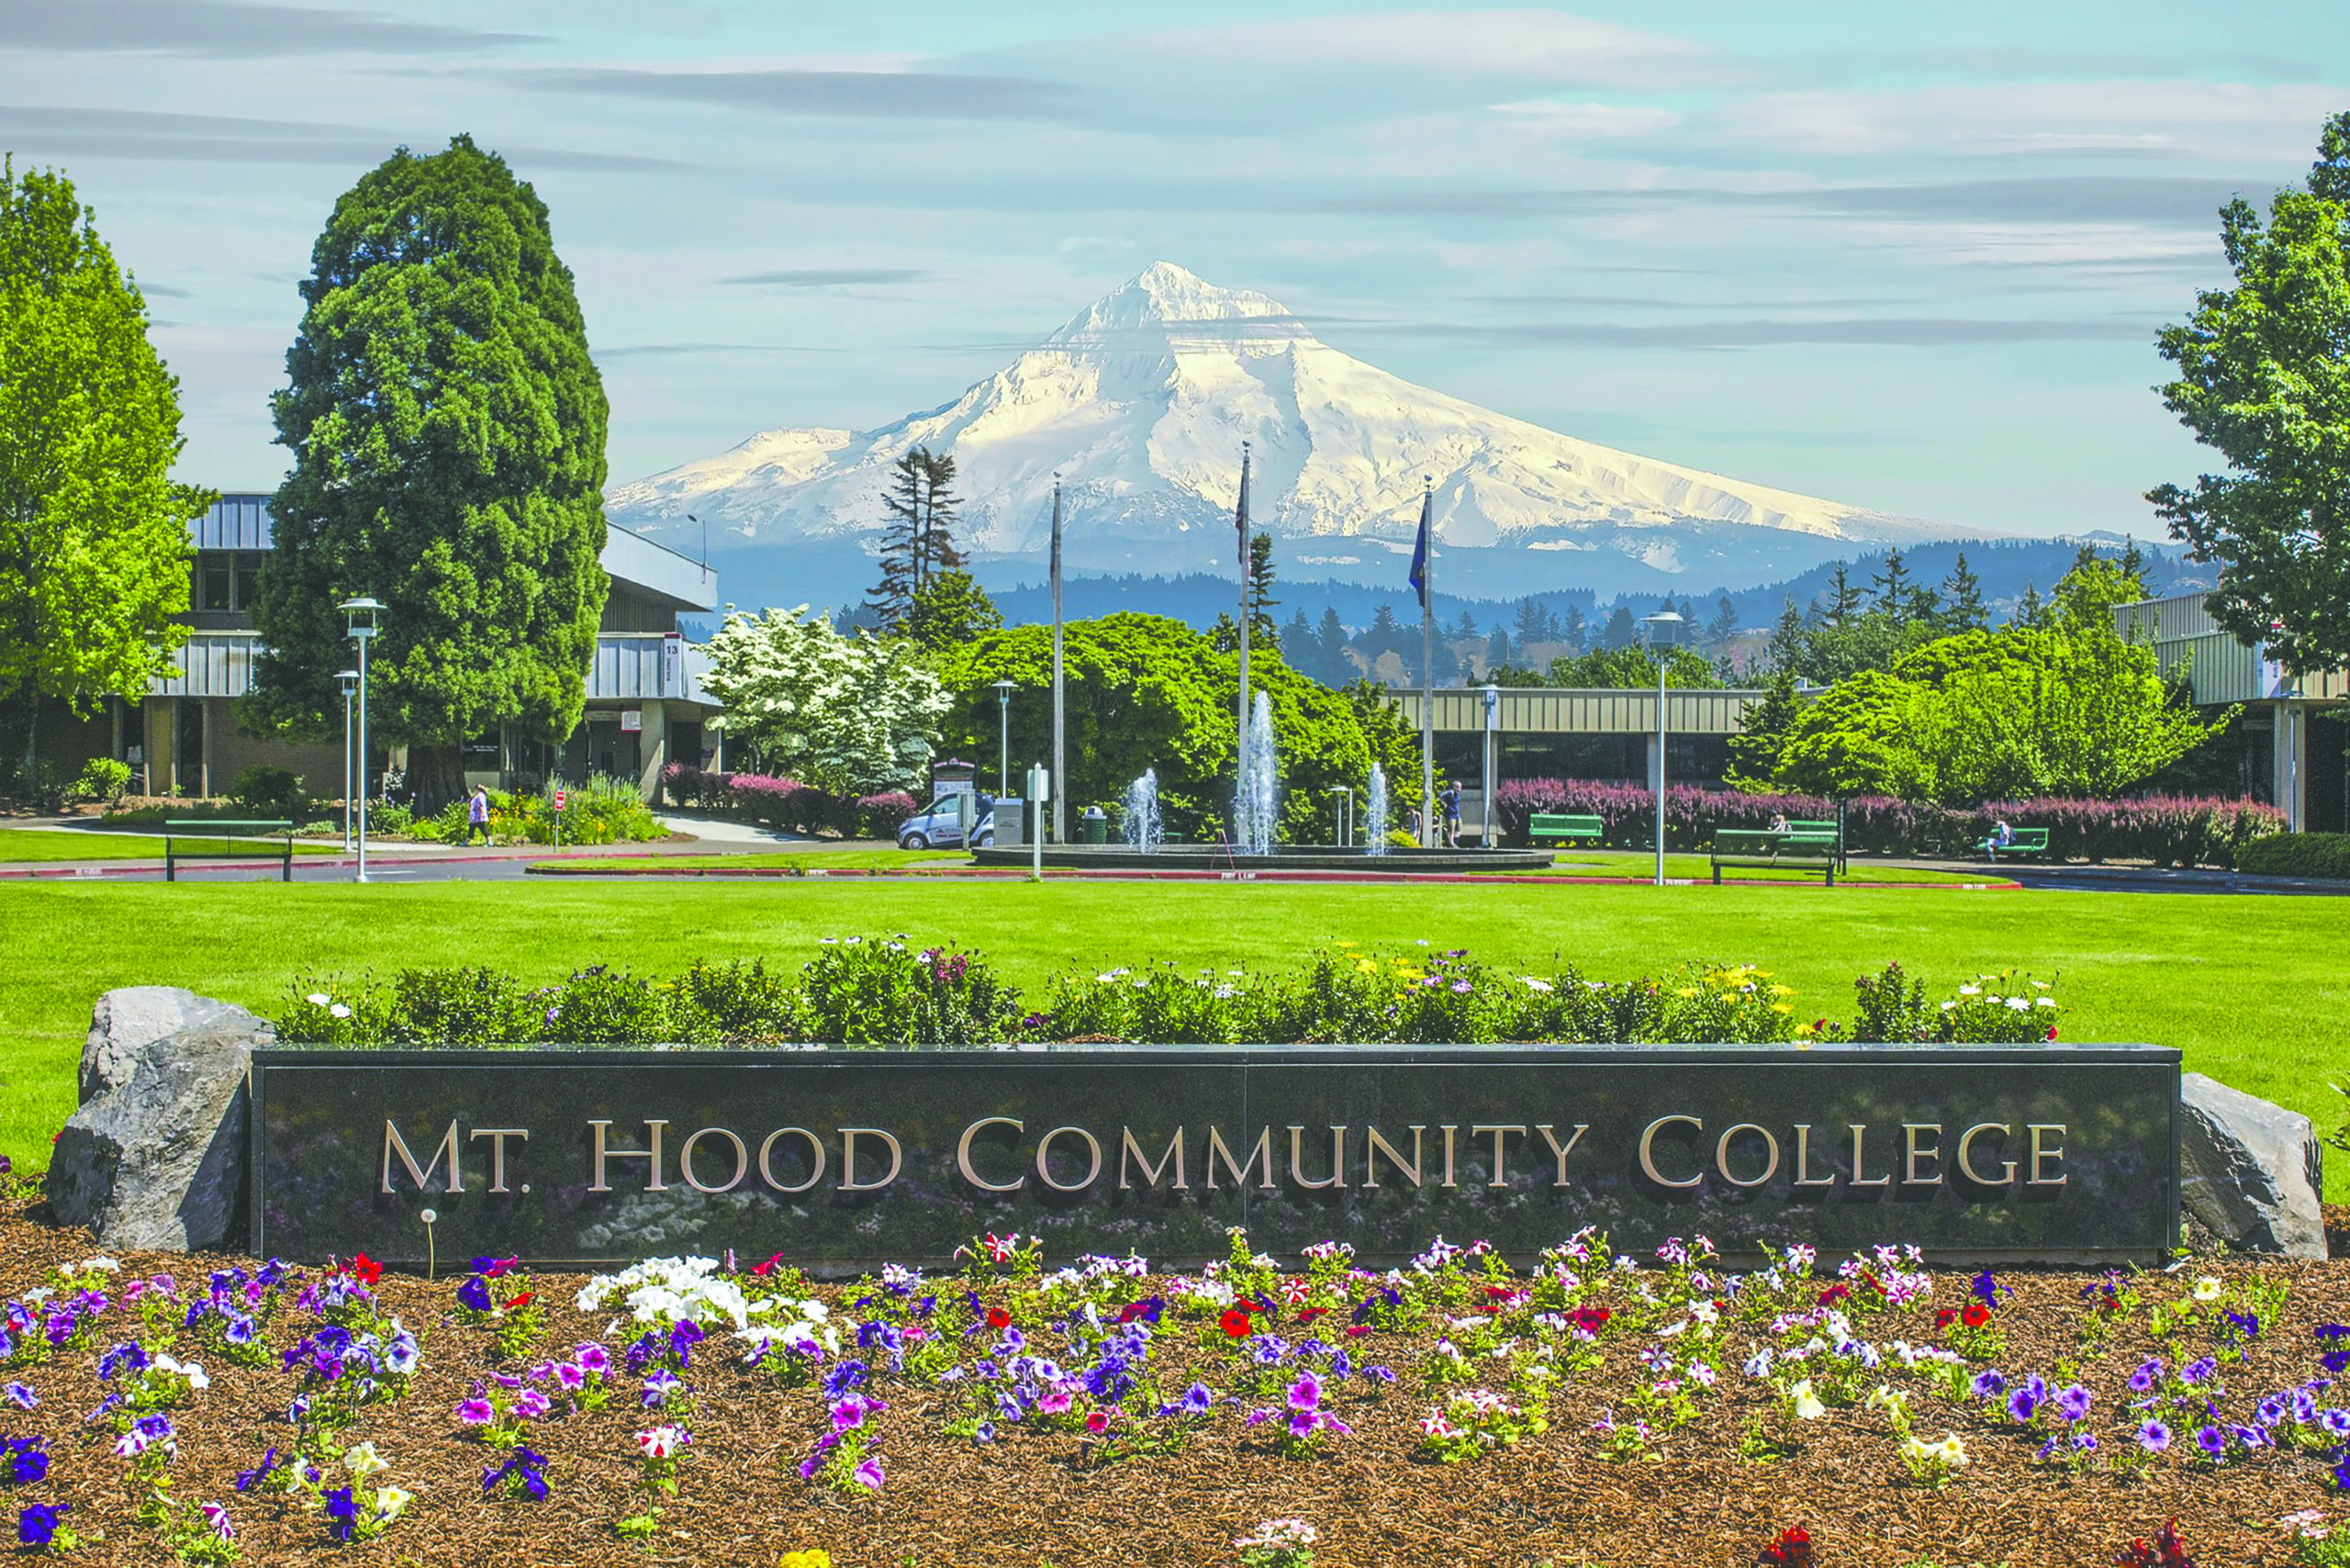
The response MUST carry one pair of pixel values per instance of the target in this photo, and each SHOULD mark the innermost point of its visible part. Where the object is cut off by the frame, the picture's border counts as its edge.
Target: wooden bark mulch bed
(1033, 1496)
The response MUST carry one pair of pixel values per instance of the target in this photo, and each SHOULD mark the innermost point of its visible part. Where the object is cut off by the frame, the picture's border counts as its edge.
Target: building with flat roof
(2289, 748)
(1601, 733)
(645, 706)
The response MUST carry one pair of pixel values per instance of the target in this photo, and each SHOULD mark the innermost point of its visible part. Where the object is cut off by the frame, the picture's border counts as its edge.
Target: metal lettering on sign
(632, 719)
(849, 1159)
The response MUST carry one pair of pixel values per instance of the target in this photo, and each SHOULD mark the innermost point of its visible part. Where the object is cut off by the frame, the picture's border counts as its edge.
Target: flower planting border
(850, 1159)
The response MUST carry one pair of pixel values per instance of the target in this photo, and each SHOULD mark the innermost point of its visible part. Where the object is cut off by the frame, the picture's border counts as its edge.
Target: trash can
(1093, 827)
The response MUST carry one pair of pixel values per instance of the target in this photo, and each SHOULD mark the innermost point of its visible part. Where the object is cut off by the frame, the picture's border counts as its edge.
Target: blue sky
(1902, 256)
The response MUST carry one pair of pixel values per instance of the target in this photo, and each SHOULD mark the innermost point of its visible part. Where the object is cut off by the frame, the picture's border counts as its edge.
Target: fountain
(1250, 852)
(1255, 802)
(1144, 832)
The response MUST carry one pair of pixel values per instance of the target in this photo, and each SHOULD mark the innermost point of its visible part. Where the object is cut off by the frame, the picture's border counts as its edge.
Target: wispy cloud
(827, 277)
(227, 28)
(2056, 198)
(65, 131)
(1908, 331)
(848, 94)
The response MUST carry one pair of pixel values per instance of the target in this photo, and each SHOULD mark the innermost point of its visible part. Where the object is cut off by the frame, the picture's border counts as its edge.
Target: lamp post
(1004, 731)
(1492, 721)
(361, 613)
(1343, 830)
(350, 679)
(1661, 629)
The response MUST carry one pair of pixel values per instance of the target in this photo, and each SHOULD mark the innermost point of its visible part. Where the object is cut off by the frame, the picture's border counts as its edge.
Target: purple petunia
(476, 1412)
(2149, 1373)
(36, 1523)
(2154, 1436)
(2212, 1441)
(2074, 1403)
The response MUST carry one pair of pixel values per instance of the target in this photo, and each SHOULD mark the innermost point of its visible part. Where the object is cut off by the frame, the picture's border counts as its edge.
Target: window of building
(247, 580)
(216, 583)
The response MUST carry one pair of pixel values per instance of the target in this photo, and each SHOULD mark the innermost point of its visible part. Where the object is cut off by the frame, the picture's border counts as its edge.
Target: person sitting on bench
(1778, 822)
(2002, 835)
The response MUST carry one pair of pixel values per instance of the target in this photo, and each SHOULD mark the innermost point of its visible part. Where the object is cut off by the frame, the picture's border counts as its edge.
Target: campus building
(2288, 747)
(645, 706)
(1599, 734)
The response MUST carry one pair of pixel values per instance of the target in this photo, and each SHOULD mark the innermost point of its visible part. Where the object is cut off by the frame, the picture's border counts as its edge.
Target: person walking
(1450, 801)
(477, 817)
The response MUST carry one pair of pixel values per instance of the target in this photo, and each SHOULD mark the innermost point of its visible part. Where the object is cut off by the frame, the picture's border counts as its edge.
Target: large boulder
(155, 1158)
(2250, 1172)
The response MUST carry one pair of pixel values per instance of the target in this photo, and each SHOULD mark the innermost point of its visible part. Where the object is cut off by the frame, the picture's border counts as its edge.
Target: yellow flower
(1686, 990)
(1781, 1007)
(814, 1557)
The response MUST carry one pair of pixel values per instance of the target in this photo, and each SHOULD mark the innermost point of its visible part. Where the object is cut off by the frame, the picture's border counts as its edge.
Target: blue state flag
(1419, 578)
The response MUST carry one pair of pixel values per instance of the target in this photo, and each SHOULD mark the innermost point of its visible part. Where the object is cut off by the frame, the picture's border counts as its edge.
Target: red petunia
(999, 1318)
(1945, 1316)
(763, 1270)
(519, 1302)
(1356, 1330)
(1235, 1322)
(1977, 1314)
(363, 1268)
(1311, 1312)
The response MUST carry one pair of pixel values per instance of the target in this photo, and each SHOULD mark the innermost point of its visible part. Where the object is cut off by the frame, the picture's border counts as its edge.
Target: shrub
(864, 992)
(736, 1004)
(465, 1007)
(600, 1007)
(2325, 854)
(880, 816)
(267, 791)
(103, 778)
(390, 819)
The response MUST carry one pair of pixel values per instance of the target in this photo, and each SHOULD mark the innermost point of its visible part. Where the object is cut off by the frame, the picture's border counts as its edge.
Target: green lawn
(858, 860)
(29, 846)
(2252, 988)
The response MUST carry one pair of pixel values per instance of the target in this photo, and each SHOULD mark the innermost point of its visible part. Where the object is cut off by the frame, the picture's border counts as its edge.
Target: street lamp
(1003, 753)
(361, 613)
(350, 679)
(1492, 723)
(1660, 631)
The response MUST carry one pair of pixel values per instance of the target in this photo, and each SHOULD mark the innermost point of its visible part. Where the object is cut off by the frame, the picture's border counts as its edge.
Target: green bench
(1761, 847)
(1563, 826)
(2032, 841)
(229, 832)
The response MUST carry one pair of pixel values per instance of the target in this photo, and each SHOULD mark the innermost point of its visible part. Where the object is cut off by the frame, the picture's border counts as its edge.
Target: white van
(949, 822)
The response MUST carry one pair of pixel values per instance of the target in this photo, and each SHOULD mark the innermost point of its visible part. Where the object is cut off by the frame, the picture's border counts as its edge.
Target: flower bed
(861, 992)
(1585, 1409)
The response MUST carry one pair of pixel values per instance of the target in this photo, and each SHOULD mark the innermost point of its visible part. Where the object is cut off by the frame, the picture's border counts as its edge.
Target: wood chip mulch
(1032, 1498)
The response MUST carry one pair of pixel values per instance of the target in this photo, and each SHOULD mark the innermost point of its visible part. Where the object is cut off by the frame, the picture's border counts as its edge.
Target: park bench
(1761, 846)
(229, 832)
(1563, 826)
(2032, 841)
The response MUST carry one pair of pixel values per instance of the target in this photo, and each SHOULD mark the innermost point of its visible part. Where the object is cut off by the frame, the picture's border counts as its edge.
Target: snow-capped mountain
(1140, 404)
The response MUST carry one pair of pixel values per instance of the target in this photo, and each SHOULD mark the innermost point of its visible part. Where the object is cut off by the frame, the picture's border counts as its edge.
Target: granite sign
(847, 1160)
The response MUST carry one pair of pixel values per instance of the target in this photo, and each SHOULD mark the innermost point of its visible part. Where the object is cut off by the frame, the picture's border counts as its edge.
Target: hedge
(2165, 829)
(787, 803)
(2325, 854)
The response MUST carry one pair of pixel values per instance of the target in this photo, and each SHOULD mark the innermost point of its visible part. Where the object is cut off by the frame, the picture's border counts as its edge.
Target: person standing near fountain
(1450, 802)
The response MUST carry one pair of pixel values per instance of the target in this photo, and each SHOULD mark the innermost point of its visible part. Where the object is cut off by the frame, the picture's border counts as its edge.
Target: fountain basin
(1217, 857)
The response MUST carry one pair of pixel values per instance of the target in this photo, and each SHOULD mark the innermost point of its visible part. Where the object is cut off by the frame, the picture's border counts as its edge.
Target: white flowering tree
(855, 715)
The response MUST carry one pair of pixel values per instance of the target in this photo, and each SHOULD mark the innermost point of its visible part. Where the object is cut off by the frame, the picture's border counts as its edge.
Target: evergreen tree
(893, 598)
(1465, 629)
(1962, 609)
(940, 506)
(1622, 630)
(1724, 625)
(1574, 633)
(1496, 651)
(1754, 750)
(1334, 667)
(93, 532)
(1298, 649)
(1892, 584)
(447, 425)
(1534, 625)
(1260, 591)
(1788, 640)
(2031, 610)
(1843, 600)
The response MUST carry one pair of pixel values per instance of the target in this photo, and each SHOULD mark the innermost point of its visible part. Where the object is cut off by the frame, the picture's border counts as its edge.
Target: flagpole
(1428, 668)
(1060, 758)
(1241, 830)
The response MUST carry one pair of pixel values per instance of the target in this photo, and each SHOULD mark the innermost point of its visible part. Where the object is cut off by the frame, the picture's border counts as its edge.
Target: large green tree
(2264, 380)
(94, 544)
(447, 426)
